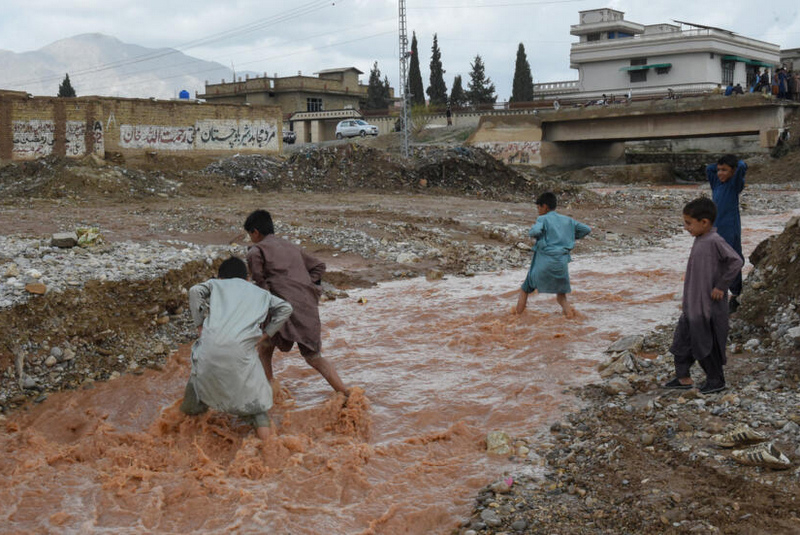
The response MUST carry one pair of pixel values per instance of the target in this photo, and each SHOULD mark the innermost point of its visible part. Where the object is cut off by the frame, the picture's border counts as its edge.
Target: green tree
(415, 76)
(522, 89)
(437, 91)
(387, 91)
(480, 89)
(376, 90)
(66, 89)
(458, 99)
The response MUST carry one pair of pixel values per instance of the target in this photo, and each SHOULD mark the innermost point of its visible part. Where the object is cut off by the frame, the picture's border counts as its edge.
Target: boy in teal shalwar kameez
(555, 237)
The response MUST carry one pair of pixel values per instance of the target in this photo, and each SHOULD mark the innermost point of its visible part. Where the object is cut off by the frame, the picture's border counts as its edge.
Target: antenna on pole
(404, 55)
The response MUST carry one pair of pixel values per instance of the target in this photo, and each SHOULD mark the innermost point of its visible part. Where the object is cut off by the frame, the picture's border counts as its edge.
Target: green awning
(748, 61)
(643, 67)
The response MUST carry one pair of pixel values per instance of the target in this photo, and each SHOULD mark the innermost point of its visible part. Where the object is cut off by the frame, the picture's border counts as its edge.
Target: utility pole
(404, 55)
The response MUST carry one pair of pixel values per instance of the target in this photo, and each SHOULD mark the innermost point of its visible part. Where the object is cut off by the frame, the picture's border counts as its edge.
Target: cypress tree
(522, 90)
(480, 89)
(415, 76)
(437, 91)
(376, 92)
(65, 89)
(458, 99)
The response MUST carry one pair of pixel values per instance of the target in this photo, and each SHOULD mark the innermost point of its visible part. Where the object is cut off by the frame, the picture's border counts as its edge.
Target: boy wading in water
(555, 236)
(287, 271)
(226, 375)
(702, 330)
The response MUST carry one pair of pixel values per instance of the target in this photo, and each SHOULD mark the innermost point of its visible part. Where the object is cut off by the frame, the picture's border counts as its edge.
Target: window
(727, 72)
(313, 104)
(639, 61)
(593, 37)
(639, 76)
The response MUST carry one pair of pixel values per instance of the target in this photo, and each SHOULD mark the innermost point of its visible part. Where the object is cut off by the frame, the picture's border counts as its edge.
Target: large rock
(65, 240)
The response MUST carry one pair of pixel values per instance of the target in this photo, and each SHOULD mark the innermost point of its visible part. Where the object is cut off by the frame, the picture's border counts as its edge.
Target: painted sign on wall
(514, 152)
(76, 138)
(32, 139)
(204, 135)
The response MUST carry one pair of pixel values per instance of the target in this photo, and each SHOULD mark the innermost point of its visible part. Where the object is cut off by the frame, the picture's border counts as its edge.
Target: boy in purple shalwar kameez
(288, 272)
(702, 330)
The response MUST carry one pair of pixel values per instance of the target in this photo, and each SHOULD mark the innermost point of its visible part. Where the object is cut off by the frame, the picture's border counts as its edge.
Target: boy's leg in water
(265, 351)
(569, 312)
(263, 426)
(327, 370)
(522, 302)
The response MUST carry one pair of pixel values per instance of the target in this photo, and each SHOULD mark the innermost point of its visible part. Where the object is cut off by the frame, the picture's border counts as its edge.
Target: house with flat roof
(615, 56)
(311, 105)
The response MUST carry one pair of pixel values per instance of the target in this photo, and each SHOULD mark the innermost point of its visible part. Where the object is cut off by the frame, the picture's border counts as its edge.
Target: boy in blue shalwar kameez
(555, 237)
(726, 178)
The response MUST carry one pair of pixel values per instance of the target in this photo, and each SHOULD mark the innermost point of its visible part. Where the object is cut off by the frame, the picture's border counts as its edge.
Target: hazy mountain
(98, 64)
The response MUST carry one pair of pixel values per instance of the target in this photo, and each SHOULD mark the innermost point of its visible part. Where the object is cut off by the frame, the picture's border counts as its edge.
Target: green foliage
(480, 89)
(414, 75)
(522, 90)
(65, 89)
(376, 91)
(420, 119)
(437, 91)
(458, 99)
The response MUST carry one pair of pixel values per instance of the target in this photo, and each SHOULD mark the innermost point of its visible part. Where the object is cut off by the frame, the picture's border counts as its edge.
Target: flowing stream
(441, 363)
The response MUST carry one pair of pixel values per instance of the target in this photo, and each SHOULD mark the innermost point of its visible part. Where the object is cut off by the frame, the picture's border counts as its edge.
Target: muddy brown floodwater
(438, 364)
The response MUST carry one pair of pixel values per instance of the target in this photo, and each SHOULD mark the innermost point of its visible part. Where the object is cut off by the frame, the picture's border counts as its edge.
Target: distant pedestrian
(555, 237)
(449, 114)
(702, 330)
(738, 90)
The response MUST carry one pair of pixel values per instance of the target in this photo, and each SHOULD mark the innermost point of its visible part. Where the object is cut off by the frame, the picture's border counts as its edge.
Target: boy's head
(699, 216)
(260, 221)
(726, 166)
(548, 200)
(233, 268)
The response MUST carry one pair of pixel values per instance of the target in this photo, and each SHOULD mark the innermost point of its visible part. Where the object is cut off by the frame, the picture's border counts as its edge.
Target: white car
(355, 127)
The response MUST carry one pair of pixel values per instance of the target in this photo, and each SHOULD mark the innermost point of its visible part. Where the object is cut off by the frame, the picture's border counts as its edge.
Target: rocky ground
(636, 459)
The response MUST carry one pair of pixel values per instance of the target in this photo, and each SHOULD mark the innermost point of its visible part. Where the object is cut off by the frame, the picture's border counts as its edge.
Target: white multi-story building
(615, 56)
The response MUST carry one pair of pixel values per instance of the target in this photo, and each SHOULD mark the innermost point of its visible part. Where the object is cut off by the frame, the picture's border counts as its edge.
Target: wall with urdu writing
(33, 128)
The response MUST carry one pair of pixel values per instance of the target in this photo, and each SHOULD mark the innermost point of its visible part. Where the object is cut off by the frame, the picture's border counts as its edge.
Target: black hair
(261, 221)
(233, 268)
(731, 160)
(701, 208)
(547, 198)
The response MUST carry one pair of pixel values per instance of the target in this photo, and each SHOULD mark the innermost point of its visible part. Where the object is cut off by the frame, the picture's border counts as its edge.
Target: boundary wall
(35, 127)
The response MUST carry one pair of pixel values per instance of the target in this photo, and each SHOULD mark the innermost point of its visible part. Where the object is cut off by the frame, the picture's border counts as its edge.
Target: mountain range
(102, 65)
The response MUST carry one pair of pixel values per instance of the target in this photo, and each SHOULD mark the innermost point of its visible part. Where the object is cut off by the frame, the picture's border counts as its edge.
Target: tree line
(480, 89)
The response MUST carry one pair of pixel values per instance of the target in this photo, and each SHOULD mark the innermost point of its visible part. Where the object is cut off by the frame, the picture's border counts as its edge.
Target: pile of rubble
(768, 318)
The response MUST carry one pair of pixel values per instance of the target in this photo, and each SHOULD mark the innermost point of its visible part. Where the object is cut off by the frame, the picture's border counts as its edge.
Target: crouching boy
(702, 330)
(232, 316)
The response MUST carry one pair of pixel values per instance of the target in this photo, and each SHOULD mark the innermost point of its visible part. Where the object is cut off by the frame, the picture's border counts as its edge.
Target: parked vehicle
(289, 137)
(355, 127)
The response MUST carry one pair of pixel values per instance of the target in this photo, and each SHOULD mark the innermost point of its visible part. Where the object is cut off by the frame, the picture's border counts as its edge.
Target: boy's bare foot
(265, 433)
(569, 312)
(280, 394)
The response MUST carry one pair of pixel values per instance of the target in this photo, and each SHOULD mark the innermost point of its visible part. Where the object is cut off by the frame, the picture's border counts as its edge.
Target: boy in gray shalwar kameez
(227, 375)
(702, 330)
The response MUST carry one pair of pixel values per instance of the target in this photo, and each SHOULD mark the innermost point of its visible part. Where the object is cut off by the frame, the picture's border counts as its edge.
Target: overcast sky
(287, 36)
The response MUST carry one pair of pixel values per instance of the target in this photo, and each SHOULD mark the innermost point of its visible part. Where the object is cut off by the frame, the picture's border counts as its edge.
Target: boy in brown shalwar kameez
(288, 272)
(702, 330)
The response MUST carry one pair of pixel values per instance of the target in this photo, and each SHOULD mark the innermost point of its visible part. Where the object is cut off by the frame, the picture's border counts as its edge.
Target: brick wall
(32, 128)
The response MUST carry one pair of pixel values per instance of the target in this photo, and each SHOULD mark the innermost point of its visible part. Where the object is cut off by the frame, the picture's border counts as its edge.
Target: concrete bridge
(597, 134)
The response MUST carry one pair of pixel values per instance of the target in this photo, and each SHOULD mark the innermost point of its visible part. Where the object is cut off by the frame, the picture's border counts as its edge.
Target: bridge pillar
(580, 153)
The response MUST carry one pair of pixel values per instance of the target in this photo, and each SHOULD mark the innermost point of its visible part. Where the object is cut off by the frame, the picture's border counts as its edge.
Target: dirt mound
(250, 170)
(344, 167)
(773, 287)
